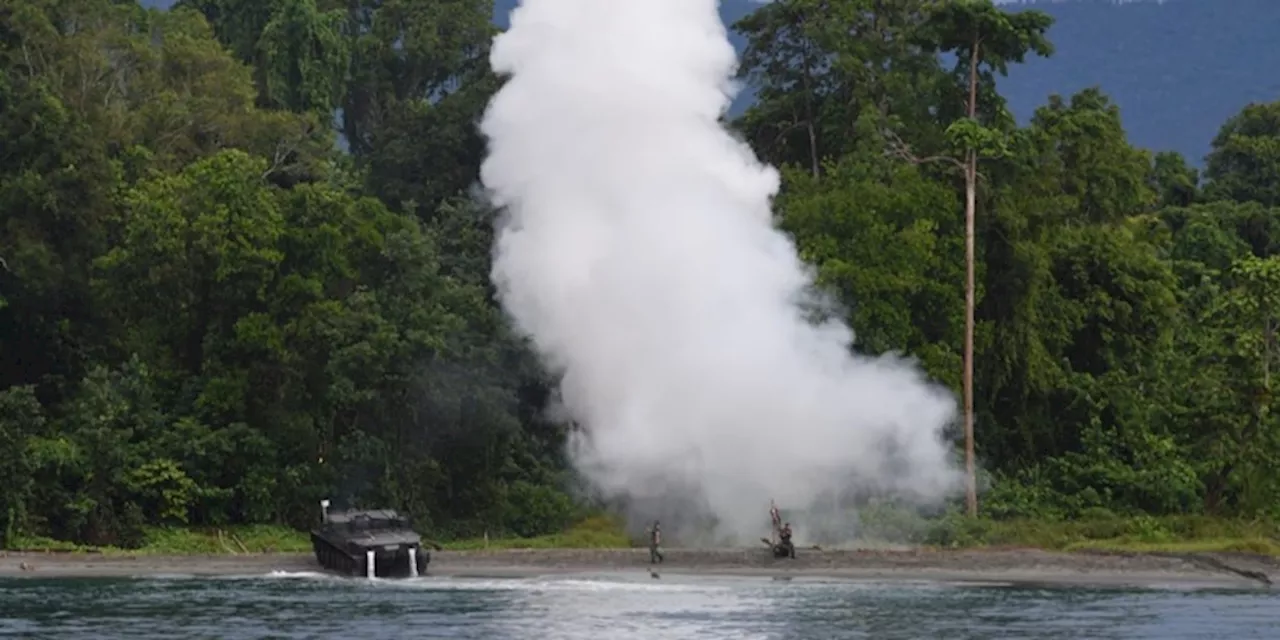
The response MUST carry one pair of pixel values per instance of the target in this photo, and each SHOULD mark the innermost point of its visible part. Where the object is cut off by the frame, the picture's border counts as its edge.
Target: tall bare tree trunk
(970, 198)
(970, 214)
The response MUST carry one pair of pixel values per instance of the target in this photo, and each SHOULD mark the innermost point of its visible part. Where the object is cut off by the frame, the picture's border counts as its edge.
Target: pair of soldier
(783, 532)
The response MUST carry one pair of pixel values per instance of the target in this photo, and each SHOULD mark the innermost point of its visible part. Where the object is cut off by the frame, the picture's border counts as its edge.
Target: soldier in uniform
(655, 542)
(785, 535)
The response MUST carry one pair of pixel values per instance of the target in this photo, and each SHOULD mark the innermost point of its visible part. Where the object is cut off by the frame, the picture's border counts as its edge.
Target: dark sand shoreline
(1016, 566)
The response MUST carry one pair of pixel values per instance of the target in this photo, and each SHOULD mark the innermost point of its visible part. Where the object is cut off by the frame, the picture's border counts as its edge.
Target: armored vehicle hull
(376, 543)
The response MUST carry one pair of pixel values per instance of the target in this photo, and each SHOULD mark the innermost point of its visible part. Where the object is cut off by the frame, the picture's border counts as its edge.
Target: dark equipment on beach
(783, 549)
(372, 543)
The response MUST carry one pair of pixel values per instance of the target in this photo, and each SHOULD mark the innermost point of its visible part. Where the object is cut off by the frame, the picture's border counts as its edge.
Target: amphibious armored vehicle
(371, 543)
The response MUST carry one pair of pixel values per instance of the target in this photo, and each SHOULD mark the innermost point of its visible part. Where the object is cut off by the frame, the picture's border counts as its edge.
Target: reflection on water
(612, 607)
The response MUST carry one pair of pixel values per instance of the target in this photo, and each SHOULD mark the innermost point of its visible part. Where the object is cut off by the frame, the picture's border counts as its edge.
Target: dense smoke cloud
(637, 249)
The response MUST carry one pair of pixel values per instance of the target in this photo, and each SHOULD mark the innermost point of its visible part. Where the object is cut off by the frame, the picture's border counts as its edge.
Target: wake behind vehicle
(375, 543)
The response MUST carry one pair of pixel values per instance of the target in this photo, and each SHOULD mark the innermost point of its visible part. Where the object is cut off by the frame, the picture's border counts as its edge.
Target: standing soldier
(786, 541)
(655, 541)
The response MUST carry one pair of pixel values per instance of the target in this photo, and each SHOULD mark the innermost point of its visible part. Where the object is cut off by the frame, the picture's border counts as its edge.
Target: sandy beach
(1019, 566)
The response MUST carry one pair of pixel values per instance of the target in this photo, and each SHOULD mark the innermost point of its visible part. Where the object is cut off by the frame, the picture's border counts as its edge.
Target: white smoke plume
(638, 251)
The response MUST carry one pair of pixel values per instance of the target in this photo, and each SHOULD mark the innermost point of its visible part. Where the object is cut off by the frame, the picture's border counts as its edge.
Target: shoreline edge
(1005, 566)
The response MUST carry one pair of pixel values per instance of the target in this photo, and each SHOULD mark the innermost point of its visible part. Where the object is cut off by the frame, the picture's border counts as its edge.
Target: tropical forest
(245, 267)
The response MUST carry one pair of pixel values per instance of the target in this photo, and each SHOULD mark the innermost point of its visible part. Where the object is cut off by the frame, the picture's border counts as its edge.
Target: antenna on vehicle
(324, 510)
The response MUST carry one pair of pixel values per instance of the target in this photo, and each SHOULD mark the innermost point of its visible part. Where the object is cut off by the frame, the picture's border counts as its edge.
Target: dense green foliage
(213, 314)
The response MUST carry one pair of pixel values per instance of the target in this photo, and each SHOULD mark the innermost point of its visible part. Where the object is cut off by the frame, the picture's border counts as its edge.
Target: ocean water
(613, 607)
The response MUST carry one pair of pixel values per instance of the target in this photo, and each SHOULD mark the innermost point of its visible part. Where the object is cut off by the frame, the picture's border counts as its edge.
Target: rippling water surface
(612, 607)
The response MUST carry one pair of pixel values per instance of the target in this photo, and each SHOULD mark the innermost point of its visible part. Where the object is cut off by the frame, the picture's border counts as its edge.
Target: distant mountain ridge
(1177, 68)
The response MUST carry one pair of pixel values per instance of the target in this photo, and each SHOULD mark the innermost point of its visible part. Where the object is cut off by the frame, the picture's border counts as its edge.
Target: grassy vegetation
(184, 541)
(1145, 534)
(598, 532)
(1142, 534)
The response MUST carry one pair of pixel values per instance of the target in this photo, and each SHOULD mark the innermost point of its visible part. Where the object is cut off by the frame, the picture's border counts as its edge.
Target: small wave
(610, 585)
(548, 584)
(1184, 587)
(978, 584)
(279, 575)
(167, 576)
(301, 575)
(533, 584)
